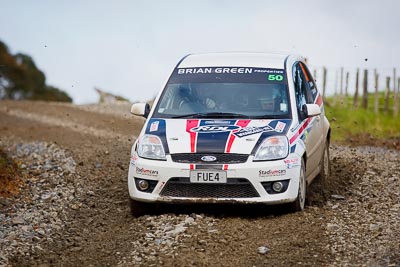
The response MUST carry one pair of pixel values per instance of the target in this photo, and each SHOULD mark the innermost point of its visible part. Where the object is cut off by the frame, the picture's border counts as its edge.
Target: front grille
(234, 188)
(222, 158)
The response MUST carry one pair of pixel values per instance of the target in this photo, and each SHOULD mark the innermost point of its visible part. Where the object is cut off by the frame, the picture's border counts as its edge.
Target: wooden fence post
(396, 99)
(341, 81)
(387, 93)
(365, 90)
(376, 102)
(396, 94)
(355, 100)
(336, 85)
(324, 83)
(346, 89)
(315, 75)
(394, 80)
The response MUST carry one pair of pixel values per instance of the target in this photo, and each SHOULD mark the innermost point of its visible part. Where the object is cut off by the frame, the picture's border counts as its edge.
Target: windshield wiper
(212, 115)
(268, 117)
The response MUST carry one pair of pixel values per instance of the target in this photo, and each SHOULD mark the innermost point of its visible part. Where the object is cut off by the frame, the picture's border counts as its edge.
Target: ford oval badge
(208, 158)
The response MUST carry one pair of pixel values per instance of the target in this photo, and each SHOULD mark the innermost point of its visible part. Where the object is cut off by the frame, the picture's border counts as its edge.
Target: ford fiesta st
(231, 128)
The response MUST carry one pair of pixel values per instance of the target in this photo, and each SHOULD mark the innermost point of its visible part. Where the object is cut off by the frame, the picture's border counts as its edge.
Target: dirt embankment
(73, 206)
(369, 140)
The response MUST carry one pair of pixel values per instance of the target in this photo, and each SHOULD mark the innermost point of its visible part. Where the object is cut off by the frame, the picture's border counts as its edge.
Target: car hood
(214, 135)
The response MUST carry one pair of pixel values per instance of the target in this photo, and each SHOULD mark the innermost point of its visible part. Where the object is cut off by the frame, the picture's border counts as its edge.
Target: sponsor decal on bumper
(270, 173)
(147, 172)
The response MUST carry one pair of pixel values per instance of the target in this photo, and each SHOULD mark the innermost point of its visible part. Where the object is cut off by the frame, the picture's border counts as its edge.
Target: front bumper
(256, 175)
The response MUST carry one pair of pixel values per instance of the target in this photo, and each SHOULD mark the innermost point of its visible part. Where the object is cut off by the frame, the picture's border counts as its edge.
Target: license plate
(210, 177)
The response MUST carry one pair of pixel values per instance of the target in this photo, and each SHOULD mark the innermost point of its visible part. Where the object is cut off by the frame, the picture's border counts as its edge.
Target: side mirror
(140, 109)
(310, 110)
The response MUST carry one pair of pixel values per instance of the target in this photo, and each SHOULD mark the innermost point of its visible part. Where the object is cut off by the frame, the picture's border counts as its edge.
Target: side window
(311, 86)
(302, 94)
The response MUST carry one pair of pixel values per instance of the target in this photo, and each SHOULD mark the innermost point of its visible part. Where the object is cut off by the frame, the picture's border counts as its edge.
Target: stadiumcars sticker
(269, 173)
(147, 172)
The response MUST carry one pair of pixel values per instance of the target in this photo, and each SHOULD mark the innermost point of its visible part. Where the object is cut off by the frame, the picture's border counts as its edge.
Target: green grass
(347, 121)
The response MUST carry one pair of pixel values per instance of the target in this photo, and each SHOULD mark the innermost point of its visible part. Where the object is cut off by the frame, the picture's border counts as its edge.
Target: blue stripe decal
(292, 149)
(213, 135)
(158, 127)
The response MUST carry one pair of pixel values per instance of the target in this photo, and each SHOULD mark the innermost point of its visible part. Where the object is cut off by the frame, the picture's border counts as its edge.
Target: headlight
(150, 147)
(276, 147)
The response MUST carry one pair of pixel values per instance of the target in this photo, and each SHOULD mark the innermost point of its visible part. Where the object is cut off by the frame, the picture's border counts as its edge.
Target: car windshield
(224, 97)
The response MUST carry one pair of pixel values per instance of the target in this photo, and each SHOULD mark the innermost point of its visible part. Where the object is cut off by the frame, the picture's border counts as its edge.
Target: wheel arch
(304, 157)
(328, 136)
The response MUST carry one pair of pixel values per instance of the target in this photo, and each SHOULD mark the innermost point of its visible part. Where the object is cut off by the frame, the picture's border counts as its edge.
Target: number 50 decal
(275, 77)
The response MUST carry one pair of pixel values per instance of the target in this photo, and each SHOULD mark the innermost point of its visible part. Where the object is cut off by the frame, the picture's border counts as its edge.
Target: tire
(299, 203)
(325, 165)
(139, 208)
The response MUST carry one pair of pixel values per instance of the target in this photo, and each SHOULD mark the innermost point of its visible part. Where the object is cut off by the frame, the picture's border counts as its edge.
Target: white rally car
(234, 128)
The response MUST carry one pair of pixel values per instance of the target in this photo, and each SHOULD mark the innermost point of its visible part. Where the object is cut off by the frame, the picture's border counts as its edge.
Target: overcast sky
(130, 47)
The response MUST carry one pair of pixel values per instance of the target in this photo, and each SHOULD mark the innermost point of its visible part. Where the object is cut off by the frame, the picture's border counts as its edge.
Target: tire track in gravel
(53, 121)
(74, 118)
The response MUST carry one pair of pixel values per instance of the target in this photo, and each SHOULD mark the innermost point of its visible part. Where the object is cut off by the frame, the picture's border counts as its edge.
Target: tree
(21, 79)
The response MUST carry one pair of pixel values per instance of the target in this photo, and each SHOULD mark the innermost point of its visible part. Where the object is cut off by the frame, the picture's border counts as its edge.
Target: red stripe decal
(225, 167)
(192, 166)
(241, 123)
(298, 133)
(319, 102)
(193, 136)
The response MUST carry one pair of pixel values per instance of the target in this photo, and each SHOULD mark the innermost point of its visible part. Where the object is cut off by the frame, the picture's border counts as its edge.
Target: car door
(306, 93)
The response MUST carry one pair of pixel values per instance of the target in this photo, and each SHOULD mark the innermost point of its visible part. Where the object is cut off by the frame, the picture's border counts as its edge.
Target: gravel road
(72, 209)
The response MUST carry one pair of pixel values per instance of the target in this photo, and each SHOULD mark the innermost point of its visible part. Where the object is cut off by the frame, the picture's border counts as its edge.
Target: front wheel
(140, 208)
(325, 165)
(299, 203)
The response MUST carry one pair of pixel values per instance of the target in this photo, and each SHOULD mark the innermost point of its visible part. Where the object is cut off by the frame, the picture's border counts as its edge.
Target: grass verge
(348, 122)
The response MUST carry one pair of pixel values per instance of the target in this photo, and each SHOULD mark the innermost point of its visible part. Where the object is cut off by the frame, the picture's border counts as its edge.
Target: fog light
(143, 185)
(277, 186)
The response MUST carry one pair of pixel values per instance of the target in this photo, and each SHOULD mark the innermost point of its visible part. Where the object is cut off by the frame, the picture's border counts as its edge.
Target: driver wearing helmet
(206, 97)
(270, 101)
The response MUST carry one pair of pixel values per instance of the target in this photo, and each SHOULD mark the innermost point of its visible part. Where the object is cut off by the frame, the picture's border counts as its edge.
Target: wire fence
(357, 84)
